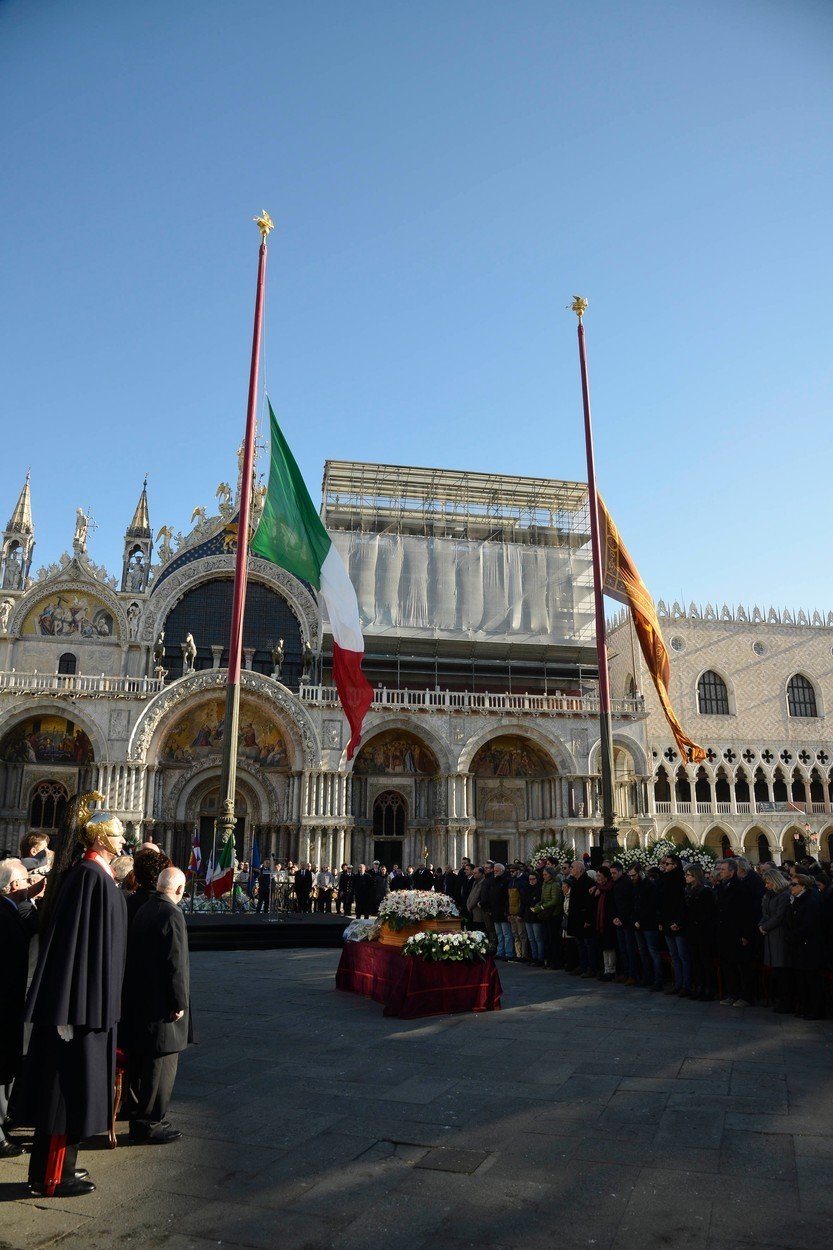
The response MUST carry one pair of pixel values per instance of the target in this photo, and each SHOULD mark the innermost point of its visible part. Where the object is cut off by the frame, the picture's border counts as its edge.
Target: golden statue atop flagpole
(264, 224)
(578, 306)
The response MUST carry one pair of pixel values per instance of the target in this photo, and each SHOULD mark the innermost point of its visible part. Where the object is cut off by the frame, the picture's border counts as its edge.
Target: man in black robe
(18, 924)
(74, 1005)
(156, 1018)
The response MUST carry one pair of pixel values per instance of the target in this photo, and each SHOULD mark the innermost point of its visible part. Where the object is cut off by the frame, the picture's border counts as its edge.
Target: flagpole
(608, 831)
(228, 775)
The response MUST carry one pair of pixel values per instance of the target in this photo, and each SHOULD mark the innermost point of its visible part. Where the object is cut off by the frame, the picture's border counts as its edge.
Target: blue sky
(444, 177)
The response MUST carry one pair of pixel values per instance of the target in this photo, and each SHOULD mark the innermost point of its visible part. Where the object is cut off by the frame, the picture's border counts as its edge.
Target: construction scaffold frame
(404, 499)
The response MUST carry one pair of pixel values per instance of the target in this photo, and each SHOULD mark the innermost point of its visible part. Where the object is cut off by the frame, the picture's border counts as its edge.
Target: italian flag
(221, 876)
(291, 535)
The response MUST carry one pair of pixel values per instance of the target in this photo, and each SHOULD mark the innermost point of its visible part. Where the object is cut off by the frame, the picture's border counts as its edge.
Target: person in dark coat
(17, 928)
(397, 878)
(825, 890)
(344, 901)
(802, 937)
(157, 1009)
(449, 885)
(497, 905)
(264, 887)
(303, 887)
(147, 866)
(423, 879)
(672, 916)
(74, 1003)
(581, 919)
(364, 892)
(774, 905)
(646, 925)
(602, 893)
(738, 915)
(700, 933)
(623, 921)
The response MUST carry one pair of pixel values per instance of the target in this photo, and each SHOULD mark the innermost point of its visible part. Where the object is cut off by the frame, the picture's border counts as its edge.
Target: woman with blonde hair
(774, 906)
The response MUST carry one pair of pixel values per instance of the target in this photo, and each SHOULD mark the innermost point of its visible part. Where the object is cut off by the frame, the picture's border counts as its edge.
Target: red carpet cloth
(413, 987)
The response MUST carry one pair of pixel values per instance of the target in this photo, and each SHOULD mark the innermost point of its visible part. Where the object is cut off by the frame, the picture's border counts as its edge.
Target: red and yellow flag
(621, 581)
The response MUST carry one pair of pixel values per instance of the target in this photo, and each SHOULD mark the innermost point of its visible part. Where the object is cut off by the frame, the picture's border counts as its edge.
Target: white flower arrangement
(559, 851)
(361, 931)
(650, 856)
(403, 907)
(447, 947)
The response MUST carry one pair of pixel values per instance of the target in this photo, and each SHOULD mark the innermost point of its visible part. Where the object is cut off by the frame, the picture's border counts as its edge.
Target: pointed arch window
(801, 696)
(712, 695)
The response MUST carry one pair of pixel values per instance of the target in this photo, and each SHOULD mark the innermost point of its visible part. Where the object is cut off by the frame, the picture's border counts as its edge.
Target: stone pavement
(581, 1115)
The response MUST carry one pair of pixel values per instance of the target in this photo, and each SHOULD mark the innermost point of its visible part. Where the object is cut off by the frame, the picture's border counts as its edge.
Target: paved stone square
(581, 1115)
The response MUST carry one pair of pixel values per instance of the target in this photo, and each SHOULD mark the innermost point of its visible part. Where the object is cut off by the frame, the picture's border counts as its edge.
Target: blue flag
(253, 867)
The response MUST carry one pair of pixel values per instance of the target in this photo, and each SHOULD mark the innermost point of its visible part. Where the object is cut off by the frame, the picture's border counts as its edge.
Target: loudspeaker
(596, 856)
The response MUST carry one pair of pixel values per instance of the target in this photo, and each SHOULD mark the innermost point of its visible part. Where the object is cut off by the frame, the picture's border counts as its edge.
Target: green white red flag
(222, 876)
(292, 535)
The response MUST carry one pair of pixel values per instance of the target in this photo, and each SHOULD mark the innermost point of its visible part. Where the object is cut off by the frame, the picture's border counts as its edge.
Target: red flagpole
(579, 307)
(228, 775)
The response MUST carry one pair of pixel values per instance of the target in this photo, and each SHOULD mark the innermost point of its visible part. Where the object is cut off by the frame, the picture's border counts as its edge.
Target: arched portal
(395, 799)
(514, 785)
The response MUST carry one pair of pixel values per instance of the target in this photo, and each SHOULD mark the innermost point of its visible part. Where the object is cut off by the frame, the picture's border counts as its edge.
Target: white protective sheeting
(451, 587)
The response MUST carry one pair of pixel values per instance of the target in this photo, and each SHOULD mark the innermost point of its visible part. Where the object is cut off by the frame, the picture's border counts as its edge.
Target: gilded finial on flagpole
(578, 306)
(264, 224)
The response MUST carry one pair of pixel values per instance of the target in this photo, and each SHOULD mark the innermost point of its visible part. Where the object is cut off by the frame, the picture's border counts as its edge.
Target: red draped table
(412, 987)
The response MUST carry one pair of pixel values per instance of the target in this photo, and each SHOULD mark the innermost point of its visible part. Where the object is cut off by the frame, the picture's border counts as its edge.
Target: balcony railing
(80, 684)
(468, 701)
(663, 807)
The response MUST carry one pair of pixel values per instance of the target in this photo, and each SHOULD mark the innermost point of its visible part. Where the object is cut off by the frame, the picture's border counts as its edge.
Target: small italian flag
(221, 876)
(291, 535)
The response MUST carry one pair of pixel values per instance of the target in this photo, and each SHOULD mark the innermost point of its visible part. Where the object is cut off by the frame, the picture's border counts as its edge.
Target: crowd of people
(306, 887)
(109, 1001)
(739, 934)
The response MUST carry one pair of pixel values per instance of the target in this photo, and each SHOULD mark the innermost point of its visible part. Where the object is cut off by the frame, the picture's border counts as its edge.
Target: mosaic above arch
(511, 756)
(395, 751)
(198, 733)
(46, 740)
(70, 614)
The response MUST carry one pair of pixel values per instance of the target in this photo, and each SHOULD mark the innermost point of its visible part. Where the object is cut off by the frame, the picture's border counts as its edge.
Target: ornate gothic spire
(140, 525)
(20, 521)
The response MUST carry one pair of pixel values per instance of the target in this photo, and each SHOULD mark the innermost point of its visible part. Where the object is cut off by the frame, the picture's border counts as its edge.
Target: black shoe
(8, 1150)
(159, 1137)
(64, 1189)
(80, 1174)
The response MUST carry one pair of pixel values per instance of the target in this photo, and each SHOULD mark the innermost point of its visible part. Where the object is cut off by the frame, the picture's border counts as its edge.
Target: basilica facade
(482, 740)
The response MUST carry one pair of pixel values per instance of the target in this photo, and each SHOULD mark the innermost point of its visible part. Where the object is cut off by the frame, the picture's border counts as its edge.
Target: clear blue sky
(445, 175)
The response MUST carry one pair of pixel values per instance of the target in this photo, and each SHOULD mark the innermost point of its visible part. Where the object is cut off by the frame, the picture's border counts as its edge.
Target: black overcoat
(157, 980)
(802, 931)
(15, 932)
(68, 1085)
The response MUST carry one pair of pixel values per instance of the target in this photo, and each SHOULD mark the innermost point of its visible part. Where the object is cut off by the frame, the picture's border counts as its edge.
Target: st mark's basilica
(476, 599)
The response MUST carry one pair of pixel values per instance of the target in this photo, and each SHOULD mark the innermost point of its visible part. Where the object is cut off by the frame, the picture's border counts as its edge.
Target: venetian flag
(222, 877)
(196, 854)
(291, 535)
(254, 868)
(621, 581)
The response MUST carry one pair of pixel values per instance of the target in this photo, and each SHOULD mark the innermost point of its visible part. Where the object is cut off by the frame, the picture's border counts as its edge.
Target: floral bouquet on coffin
(447, 948)
(403, 912)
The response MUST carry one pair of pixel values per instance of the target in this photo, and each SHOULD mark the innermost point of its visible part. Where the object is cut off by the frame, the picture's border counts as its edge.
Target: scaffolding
(449, 503)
